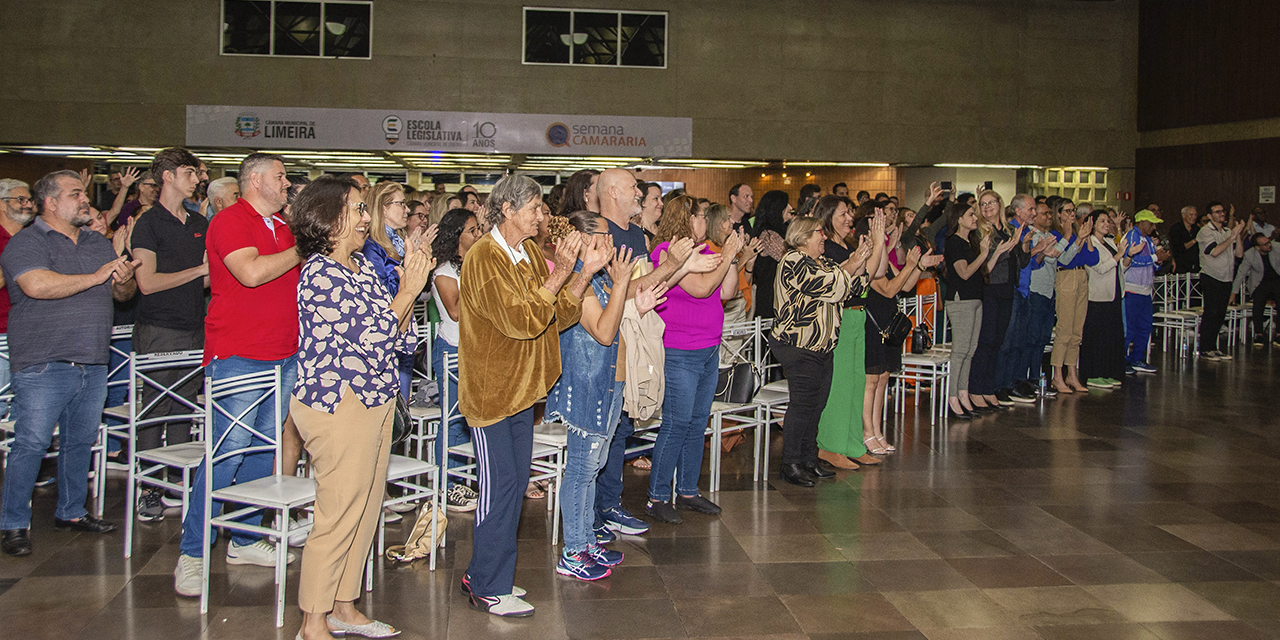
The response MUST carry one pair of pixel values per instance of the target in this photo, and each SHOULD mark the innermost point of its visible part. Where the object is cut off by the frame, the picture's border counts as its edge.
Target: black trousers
(809, 379)
(1102, 341)
(152, 339)
(1216, 296)
(995, 322)
(1263, 292)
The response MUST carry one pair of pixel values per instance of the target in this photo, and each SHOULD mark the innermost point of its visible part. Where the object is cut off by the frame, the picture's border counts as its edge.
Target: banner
(398, 130)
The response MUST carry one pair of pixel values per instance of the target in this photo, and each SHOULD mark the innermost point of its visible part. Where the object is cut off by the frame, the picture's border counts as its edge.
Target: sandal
(643, 462)
(887, 447)
(878, 451)
(535, 491)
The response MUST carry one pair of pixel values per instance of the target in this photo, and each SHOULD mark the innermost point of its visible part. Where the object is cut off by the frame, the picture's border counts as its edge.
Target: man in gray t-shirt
(59, 329)
(1219, 246)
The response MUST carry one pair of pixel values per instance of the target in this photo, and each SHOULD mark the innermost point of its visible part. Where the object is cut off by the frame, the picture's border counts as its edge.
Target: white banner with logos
(399, 130)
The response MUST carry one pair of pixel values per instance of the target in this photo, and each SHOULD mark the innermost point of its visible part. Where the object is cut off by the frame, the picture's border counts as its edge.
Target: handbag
(921, 341)
(402, 423)
(896, 333)
(736, 383)
(418, 545)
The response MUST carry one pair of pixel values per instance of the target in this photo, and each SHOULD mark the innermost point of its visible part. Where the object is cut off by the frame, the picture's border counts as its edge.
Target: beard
(81, 218)
(23, 217)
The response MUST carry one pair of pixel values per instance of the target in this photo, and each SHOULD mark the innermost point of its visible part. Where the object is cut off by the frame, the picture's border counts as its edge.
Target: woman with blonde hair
(1001, 274)
(442, 205)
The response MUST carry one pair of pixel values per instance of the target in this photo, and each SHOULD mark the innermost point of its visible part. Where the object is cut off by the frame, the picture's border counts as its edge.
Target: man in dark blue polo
(59, 329)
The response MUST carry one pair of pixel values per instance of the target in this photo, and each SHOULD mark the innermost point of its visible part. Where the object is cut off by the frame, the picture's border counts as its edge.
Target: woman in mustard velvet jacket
(512, 312)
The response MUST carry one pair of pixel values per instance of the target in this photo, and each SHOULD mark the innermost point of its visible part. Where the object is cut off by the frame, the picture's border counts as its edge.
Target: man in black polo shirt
(63, 277)
(168, 241)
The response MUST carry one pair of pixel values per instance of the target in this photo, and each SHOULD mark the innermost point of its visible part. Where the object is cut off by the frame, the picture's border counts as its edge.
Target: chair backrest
(738, 339)
(763, 363)
(448, 406)
(217, 393)
(6, 389)
(119, 334)
(142, 371)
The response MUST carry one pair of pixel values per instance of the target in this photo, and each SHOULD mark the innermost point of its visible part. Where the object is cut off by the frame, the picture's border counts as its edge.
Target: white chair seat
(121, 412)
(425, 413)
(777, 385)
(404, 467)
(925, 358)
(6, 426)
(187, 454)
(273, 491)
(555, 434)
(771, 396)
(731, 407)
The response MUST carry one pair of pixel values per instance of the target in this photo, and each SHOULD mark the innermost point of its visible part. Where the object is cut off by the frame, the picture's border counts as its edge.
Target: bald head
(619, 196)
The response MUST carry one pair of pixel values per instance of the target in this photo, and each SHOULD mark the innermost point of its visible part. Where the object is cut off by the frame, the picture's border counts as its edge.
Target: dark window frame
(271, 45)
(619, 53)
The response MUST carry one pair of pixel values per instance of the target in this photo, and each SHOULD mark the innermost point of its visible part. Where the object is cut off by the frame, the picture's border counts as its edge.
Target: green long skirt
(840, 430)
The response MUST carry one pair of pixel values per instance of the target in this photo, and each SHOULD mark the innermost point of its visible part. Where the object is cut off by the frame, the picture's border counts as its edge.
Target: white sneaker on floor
(461, 498)
(170, 502)
(403, 507)
(391, 517)
(299, 538)
(261, 553)
(186, 577)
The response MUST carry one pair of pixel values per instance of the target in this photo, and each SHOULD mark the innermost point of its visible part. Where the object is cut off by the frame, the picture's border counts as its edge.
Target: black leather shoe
(699, 504)
(87, 524)
(15, 542)
(965, 415)
(814, 469)
(796, 474)
(663, 512)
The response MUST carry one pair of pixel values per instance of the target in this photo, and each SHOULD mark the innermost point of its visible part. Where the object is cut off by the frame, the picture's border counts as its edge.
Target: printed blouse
(347, 333)
(810, 293)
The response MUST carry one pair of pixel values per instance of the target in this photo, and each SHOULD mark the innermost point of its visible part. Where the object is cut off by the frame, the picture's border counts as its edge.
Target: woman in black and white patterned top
(351, 332)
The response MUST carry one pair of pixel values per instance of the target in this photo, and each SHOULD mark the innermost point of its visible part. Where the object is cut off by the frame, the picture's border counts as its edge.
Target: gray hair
(1189, 209)
(1083, 209)
(518, 190)
(9, 184)
(48, 187)
(218, 188)
(256, 163)
(1022, 201)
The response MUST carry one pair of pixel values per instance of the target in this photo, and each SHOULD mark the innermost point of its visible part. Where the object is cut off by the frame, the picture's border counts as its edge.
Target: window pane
(546, 36)
(297, 29)
(246, 27)
(644, 41)
(346, 30)
(600, 44)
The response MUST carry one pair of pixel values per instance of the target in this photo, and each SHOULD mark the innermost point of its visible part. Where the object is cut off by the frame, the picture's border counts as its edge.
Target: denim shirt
(583, 395)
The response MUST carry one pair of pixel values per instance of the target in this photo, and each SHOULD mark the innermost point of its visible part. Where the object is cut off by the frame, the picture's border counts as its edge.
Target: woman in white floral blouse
(350, 334)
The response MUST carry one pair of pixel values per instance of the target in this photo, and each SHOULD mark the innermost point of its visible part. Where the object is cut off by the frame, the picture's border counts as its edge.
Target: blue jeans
(690, 389)
(45, 395)
(1039, 330)
(244, 468)
(587, 455)
(1010, 350)
(1137, 327)
(609, 482)
(458, 432)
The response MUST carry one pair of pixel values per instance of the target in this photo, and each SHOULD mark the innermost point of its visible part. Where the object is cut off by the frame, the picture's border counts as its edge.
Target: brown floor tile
(626, 583)
(1010, 572)
(1062, 540)
(1140, 539)
(982, 543)
(1158, 513)
(856, 519)
(936, 519)
(1102, 569)
(766, 523)
(1222, 537)
(1014, 517)
(1244, 600)
(1262, 563)
(684, 581)
(809, 578)
(66, 624)
(1042, 606)
(49, 594)
(753, 501)
(873, 635)
(123, 624)
(990, 633)
(912, 575)
(712, 550)
(608, 619)
(1194, 566)
(1095, 515)
(1120, 631)
(802, 548)
(1245, 512)
(1156, 602)
(735, 616)
(1235, 630)
(881, 546)
(846, 613)
(968, 608)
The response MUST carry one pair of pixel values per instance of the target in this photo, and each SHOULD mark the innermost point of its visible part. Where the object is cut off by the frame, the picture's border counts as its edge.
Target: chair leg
(282, 563)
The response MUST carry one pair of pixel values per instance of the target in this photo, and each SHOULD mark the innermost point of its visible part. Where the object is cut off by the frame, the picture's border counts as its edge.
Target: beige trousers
(1072, 299)
(349, 452)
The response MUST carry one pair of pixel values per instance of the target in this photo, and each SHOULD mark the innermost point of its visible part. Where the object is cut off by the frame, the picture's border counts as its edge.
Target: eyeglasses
(149, 184)
(21, 199)
(396, 203)
(418, 215)
(1071, 210)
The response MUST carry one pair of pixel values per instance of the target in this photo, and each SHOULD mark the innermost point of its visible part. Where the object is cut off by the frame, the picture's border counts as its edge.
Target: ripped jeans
(586, 457)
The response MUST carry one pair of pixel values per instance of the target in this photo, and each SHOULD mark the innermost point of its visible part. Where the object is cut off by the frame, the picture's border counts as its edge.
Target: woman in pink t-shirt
(694, 315)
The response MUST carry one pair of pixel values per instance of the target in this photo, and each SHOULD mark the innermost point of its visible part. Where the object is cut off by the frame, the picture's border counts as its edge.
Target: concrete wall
(916, 81)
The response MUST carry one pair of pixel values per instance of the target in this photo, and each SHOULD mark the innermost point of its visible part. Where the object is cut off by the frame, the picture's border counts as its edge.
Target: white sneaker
(261, 553)
(461, 498)
(391, 517)
(186, 577)
(403, 507)
(170, 502)
(299, 538)
(508, 606)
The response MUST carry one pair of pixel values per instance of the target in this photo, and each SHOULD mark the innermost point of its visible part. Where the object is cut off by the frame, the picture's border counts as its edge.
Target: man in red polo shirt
(17, 210)
(251, 326)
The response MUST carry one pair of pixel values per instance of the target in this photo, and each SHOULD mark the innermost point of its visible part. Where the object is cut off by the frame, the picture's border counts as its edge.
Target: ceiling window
(593, 37)
(336, 29)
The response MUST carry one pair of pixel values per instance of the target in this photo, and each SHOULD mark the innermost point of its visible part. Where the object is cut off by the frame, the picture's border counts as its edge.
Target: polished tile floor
(1143, 513)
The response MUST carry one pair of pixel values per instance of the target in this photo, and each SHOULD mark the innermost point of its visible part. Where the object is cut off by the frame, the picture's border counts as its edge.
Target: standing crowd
(598, 306)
